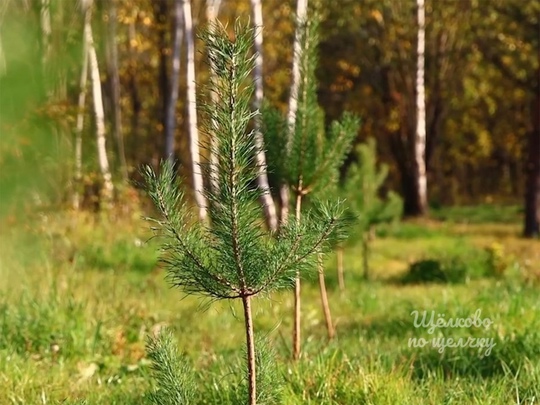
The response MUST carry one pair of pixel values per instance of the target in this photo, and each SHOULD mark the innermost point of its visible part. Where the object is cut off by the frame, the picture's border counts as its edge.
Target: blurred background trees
(481, 83)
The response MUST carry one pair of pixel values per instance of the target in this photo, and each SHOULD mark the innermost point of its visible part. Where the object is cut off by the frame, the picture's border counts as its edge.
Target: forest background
(482, 92)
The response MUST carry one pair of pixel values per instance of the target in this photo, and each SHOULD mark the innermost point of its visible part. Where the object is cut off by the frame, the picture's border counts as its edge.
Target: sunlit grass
(80, 296)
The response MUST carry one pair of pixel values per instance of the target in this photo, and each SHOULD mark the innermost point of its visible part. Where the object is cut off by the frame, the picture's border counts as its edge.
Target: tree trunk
(112, 67)
(297, 298)
(212, 11)
(198, 186)
(324, 299)
(365, 254)
(46, 31)
(170, 114)
(420, 138)
(80, 121)
(108, 189)
(161, 12)
(136, 104)
(301, 16)
(266, 198)
(532, 171)
(250, 343)
(341, 278)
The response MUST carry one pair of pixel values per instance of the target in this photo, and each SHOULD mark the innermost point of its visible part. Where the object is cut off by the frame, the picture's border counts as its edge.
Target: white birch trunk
(80, 119)
(212, 11)
(3, 64)
(108, 189)
(170, 115)
(192, 113)
(267, 200)
(45, 21)
(301, 16)
(420, 139)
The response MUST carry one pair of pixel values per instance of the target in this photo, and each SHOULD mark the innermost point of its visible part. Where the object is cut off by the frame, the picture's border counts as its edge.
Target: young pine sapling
(305, 157)
(234, 257)
(361, 190)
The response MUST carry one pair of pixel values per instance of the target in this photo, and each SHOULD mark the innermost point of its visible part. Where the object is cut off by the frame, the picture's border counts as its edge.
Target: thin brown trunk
(532, 172)
(297, 289)
(250, 345)
(161, 11)
(136, 103)
(284, 196)
(114, 77)
(324, 299)
(365, 254)
(170, 115)
(341, 278)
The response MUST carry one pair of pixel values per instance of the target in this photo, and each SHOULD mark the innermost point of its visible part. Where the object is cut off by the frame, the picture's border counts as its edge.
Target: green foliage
(233, 257)
(361, 190)
(430, 270)
(308, 159)
(92, 311)
(459, 265)
(175, 385)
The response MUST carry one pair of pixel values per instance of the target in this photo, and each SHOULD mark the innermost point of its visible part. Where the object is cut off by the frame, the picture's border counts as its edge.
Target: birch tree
(301, 15)
(262, 179)
(170, 114)
(3, 64)
(198, 185)
(308, 160)
(420, 138)
(212, 11)
(108, 188)
(46, 31)
(80, 116)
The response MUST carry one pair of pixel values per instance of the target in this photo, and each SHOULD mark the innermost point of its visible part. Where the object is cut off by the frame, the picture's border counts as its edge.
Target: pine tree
(309, 160)
(234, 257)
(361, 191)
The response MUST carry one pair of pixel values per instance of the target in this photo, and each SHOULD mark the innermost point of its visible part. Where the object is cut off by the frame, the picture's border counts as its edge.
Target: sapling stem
(297, 291)
(250, 345)
(341, 278)
(233, 257)
(324, 299)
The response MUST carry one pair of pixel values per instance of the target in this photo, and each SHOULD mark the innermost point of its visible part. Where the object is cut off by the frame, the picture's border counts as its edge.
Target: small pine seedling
(305, 157)
(361, 190)
(234, 257)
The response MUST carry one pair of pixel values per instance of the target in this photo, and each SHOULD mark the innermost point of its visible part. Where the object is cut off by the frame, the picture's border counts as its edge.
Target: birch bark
(266, 198)
(198, 186)
(420, 138)
(108, 188)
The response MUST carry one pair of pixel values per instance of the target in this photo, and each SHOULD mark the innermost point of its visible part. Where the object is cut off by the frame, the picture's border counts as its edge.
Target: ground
(80, 294)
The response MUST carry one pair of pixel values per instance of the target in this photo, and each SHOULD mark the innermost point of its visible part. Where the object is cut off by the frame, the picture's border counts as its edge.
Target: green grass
(79, 297)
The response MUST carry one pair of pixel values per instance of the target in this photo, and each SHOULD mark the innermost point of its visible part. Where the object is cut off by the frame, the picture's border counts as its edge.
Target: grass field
(79, 296)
